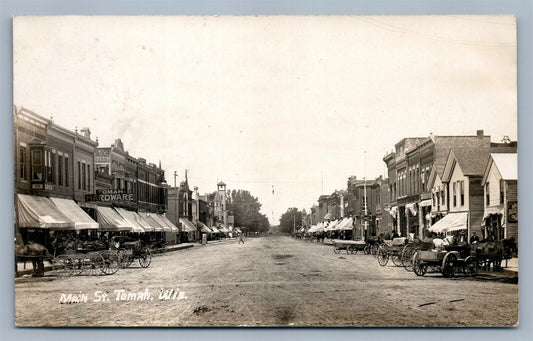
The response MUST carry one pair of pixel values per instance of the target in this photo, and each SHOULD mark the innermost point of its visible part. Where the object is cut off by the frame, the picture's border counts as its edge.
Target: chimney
(480, 133)
(85, 132)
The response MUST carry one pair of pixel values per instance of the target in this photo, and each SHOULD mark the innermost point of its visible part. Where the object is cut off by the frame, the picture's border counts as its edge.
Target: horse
(494, 251)
(36, 252)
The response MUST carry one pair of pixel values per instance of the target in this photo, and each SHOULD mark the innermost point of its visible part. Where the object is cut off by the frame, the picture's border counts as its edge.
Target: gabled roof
(443, 145)
(471, 161)
(506, 164)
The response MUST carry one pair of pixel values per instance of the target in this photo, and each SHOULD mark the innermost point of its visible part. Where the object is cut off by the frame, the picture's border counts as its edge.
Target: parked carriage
(391, 250)
(351, 246)
(448, 261)
(129, 250)
(87, 258)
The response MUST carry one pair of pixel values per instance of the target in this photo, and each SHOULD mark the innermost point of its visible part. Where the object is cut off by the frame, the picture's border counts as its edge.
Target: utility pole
(177, 205)
(366, 204)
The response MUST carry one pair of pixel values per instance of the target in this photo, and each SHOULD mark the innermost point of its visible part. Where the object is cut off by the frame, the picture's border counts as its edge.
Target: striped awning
(148, 217)
(110, 220)
(133, 218)
(73, 212)
(168, 223)
(187, 226)
(41, 212)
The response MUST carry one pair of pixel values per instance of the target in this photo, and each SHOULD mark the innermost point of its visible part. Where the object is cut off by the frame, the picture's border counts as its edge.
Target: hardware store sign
(111, 195)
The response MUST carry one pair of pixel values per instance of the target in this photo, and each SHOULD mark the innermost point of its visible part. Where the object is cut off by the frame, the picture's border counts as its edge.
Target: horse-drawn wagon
(129, 250)
(448, 261)
(351, 246)
(392, 250)
(86, 258)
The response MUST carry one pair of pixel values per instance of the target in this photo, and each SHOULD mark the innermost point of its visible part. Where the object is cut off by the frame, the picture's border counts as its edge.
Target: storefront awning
(110, 220)
(187, 225)
(327, 216)
(149, 218)
(163, 224)
(412, 208)
(332, 225)
(347, 226)
(451, 222)
(164, 219)
(496, 210)
(40, 212)
(134, 219)
(73, 212)
(204, 228)
(214, 229)
(393, 211)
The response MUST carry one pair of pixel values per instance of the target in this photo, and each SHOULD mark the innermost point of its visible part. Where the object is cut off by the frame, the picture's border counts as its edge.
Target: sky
(294, 103)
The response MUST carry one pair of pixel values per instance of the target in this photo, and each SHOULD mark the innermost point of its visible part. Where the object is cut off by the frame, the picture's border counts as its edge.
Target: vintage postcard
(252, 171)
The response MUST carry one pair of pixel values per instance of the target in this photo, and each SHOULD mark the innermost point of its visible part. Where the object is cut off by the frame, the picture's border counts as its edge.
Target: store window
(22, 163)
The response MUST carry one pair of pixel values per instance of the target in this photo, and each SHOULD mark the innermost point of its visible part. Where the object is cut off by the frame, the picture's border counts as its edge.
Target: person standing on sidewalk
(241, 238)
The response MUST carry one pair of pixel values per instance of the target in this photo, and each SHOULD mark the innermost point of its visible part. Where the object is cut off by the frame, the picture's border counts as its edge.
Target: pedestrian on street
(241, 238)
(474, 239)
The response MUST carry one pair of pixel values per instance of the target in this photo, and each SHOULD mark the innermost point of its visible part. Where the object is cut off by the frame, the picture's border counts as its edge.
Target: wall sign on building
(111, 195)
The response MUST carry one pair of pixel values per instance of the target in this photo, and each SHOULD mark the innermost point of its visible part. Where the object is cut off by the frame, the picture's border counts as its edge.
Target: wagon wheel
(63, 265)
(76, 267)
(419, 268)
(125, 259)
(112, 262)
(145, 257)
(374, 250)
(350, 249)
(396, 259)
(448, 265)
(92, 264)
(367, 248)
(383, 256)
(471, 266)
(407, 258)
(337, 250)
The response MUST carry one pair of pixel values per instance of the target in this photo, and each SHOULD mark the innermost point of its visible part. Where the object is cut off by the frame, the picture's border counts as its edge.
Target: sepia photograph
(265, 171)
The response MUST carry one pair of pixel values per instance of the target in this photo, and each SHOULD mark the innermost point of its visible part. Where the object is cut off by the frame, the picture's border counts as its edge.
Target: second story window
(37, 165)
(455, 194)
(22, 163)
(487, 194)
(462, 193)
(502, 195)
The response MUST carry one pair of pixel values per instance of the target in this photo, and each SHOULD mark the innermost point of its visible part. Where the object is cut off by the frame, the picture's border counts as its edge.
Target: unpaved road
(275, 281)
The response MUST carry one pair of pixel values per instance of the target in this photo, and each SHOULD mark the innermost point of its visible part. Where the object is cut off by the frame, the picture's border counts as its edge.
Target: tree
(245, 209)
(290, 221)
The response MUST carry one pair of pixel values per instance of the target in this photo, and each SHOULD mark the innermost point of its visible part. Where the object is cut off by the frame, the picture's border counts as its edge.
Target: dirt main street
(274, 281)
